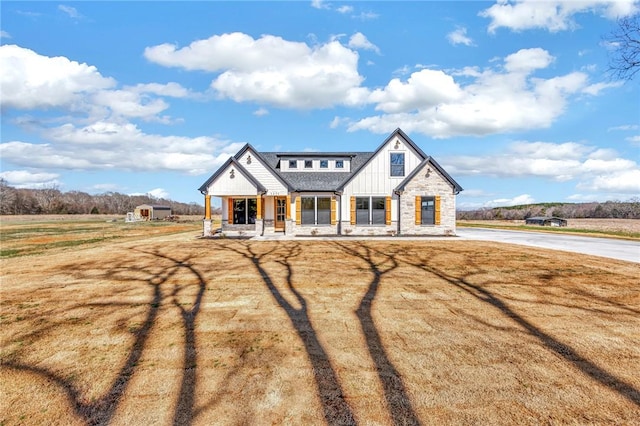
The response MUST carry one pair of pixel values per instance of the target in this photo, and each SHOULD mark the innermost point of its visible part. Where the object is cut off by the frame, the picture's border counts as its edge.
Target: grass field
(158, 326)
(611, 228)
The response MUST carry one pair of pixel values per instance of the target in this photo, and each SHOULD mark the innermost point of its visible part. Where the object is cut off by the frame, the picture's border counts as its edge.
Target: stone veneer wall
(312, 230)
(379, 230)
(432, 185)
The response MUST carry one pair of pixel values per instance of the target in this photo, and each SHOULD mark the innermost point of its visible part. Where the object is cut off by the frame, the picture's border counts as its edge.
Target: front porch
(249, 216)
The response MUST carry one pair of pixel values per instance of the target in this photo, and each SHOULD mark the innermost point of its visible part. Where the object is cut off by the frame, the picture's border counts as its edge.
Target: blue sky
(513, 98)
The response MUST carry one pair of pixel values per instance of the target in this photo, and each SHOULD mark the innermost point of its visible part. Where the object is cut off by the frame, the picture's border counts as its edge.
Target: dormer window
(339, 164)
(308, 164)
(293, 164)
(324, 164)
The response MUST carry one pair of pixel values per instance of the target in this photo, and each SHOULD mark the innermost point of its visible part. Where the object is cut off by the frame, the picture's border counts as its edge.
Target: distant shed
(546, 221)
(152, 212)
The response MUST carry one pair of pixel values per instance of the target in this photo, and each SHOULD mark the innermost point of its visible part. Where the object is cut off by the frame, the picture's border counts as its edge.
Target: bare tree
(624, 59)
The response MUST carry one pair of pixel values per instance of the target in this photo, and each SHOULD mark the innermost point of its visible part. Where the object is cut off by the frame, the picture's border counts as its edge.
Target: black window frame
(324, 164)
(245, 211)
(321, 215)
(293, 164)
(428, 210)
(396, 166)
(308, 164)
(374, 216)
(339, 164)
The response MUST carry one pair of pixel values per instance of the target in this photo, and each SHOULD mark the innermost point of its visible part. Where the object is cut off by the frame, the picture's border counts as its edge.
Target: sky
(513, 98)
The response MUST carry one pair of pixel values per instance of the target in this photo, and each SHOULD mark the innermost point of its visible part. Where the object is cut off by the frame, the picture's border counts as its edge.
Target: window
(324, 211)
(308, 206)
(362, 210)
(371, 210)
(397, 164)
(378, 210)
(308, 164)
(244, 211)
(324, 164)
(293, 164)
(315, 211)
(427, 209)
(339, 164)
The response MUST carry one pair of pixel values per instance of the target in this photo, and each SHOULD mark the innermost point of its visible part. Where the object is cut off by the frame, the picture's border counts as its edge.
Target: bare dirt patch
(172, 329)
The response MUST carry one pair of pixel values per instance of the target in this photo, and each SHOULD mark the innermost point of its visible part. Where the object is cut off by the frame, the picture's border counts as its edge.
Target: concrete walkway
(605, 247)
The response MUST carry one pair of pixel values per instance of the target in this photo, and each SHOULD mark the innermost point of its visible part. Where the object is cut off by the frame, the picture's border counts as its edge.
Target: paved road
(605, 247)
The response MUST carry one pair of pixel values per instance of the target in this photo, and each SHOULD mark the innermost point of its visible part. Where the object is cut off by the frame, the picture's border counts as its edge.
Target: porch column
(207, 207)
(206, 224)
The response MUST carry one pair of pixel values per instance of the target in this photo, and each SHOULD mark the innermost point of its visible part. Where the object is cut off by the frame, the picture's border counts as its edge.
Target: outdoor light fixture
(232, 174)
(397, 145)
(428, 173)
(248, 159)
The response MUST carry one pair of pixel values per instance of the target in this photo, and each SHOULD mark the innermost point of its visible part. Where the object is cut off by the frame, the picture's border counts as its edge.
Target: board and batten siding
(375, 178)
(225, 185)
(262, 174)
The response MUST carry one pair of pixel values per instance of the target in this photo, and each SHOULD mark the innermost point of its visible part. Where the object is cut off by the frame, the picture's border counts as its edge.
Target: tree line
(53, 201)
(611, 209)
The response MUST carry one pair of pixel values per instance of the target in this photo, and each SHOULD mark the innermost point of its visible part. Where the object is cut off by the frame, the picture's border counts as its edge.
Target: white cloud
(105, 187)
(4, 34)
(71, 11)
(319, 4)
(260, 112)
(527, 60)
(623, 181)
(159, 193)
(635, 140)
(171, 89)
(459, 36)
(122, 146)
(506, 202)
(598, 170)
(359, 41)
(344, 9)
(551, 15)
(31, 81)
(595, 89)
(423, 89)
(367, 16)
(270, 69)
(27, 179)
(506, 98)
(624, 127)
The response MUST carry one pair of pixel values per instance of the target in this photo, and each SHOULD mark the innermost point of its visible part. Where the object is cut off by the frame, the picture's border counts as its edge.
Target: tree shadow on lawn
(101, 410)
(335, 408)
(398, 402)
(565, 351)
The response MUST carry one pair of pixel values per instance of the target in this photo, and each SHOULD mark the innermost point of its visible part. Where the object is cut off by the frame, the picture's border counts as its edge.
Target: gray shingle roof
(315, 181)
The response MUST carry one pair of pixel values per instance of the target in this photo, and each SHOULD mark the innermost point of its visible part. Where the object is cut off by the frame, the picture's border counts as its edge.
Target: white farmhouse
(395, 190)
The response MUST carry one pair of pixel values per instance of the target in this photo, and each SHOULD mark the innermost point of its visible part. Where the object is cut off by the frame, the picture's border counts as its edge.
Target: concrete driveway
(605, 247)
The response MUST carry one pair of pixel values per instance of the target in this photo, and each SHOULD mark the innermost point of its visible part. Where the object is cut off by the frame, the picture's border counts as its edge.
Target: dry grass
(627, 228)
(173, 329)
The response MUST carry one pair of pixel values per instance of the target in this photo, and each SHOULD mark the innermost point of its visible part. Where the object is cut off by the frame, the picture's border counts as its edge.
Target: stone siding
(428, 184)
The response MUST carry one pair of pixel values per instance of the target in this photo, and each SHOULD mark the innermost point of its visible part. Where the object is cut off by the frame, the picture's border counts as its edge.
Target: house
(151, 212)
(395, 190)
(546, 221)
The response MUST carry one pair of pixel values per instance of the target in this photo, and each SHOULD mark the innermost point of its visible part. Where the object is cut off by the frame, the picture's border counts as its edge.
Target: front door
(281, 213)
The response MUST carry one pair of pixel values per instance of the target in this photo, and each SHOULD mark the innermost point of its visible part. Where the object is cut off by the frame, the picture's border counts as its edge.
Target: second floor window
(293, 164)
(397, 164)
(339, 164)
